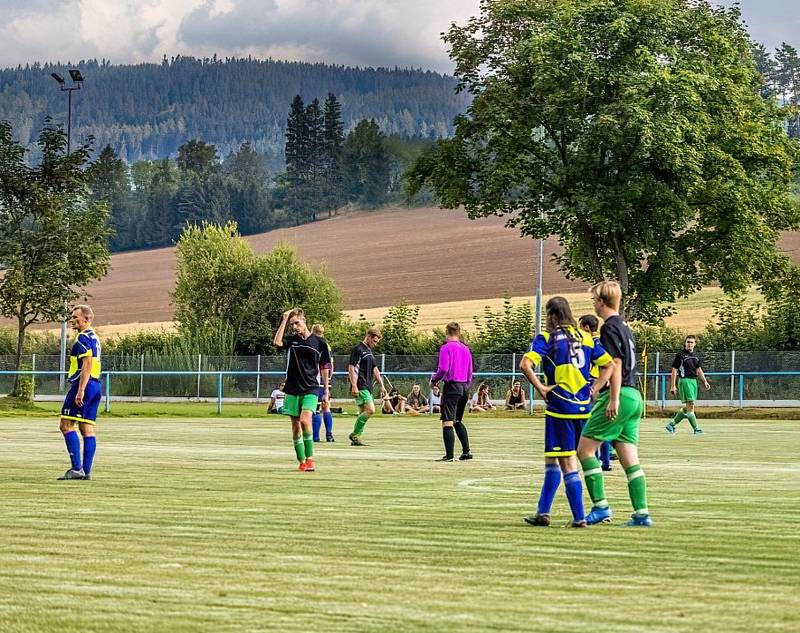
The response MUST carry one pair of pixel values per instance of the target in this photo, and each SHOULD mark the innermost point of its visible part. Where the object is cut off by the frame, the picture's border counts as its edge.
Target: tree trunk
(622, 268)
(21, 325)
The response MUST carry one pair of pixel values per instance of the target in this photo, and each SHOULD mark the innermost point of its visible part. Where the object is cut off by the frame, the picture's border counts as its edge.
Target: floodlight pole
(539, 267)
(62, 357)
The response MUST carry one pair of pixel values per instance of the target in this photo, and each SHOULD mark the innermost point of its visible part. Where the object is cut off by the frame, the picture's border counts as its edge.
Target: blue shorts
(561, 436)
(91, 402)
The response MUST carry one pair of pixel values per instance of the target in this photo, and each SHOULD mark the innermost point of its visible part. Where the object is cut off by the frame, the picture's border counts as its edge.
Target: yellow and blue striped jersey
(85, 349)
(566, 357)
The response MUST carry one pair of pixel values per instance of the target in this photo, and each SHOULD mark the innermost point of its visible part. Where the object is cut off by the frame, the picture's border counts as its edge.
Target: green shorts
(625, 427)
(364, 397)
(293, 405)
(687, 389)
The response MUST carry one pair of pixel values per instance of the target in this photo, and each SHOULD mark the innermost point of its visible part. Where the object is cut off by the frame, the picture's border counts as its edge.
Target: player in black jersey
(309, 355)
(686, 369)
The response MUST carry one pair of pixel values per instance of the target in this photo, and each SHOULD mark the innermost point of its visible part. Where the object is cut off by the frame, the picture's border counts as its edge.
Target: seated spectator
(436, 399)
(415, 402)
(275, 404)
(515, 397)
(480, 402)
(393, 402)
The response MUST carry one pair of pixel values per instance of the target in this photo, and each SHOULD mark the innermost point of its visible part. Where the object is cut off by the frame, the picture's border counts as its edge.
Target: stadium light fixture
(77, 79)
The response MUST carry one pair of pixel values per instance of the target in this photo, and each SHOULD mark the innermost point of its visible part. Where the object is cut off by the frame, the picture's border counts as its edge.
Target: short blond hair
(373, 331)
(609, 293)
(86, 311)
(318, 329)
(452, 329)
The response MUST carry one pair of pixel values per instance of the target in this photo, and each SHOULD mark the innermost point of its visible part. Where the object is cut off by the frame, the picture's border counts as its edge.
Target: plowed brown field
(421, 255)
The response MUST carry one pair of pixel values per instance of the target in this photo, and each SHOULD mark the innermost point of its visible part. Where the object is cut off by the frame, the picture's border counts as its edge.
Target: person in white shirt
(275, 404)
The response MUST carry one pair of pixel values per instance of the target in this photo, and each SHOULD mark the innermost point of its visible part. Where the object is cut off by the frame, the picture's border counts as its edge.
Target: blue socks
(316, 425)
(605, 455)
(552, 480)
(327, 416)
(73, 443)
(574, 490)
(89, 448)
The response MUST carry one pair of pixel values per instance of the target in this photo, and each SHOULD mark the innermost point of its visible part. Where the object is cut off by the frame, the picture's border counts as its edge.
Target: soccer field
(204, 525)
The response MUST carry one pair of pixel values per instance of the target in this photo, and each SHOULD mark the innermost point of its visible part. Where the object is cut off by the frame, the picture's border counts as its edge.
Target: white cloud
(357, 32)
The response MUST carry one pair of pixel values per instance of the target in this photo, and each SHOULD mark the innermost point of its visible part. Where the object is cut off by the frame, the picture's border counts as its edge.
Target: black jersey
(617, 339)
(306, 356)
(362, 358)
(687, 364)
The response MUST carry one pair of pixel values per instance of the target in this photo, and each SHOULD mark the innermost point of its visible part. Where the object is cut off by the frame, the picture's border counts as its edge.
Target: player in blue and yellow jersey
(83, 398)
(323, 412)
(589, 323)
(565, 355)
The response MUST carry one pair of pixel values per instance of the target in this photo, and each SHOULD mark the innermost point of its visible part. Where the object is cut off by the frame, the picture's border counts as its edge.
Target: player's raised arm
(278, 340)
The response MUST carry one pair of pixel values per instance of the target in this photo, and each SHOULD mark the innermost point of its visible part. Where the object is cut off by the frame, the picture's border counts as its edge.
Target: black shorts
(455, 396)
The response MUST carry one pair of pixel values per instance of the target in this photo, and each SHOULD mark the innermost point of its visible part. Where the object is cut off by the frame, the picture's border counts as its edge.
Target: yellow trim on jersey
(603, 360)
(568, 416)
(534, 357)
(85, 354)
(77, 418)
(560, 453)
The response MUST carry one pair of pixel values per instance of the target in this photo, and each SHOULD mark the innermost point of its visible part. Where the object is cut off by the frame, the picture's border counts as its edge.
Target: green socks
(299, 449)
(593, 476)
(361, 422)
(308, 442)
(692, 419)
(637, 488)
(678, 417)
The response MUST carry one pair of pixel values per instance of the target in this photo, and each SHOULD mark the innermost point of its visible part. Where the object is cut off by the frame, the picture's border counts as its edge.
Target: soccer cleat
(87, 477)
(329, 438)
(698, 432)
(73, 474)
(607, 468)
(670, 429)
(639, 520)
(445, 458)
(355, 440)
(538, 520)
(599, 515)
(464, 457)
(578, 524)
(309, 466)
(302, 467)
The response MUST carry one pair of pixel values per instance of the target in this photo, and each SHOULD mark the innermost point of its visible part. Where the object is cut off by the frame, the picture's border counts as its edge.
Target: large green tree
(53, 234)
(222, 284)
(633, 130)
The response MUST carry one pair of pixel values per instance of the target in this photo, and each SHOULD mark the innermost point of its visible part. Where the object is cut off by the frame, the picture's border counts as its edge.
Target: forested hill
(147, 111)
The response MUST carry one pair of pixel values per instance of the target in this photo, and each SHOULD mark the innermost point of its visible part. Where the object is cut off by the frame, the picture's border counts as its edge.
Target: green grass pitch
(204, 525)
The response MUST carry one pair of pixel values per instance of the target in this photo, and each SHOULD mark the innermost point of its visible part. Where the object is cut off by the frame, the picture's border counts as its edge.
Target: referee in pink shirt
(455, 369)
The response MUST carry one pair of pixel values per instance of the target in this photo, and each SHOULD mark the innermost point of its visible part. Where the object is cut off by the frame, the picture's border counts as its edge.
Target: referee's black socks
(449, 437)
(463, 437)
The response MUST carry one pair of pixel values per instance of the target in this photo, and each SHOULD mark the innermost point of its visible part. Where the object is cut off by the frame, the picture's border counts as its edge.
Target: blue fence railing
(735, 388)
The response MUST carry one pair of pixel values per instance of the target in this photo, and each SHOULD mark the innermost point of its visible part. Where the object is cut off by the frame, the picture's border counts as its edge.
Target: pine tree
(332, 154)
(315, 160)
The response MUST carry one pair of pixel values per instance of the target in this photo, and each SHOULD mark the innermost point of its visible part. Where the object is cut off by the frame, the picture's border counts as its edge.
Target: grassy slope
(203, 525)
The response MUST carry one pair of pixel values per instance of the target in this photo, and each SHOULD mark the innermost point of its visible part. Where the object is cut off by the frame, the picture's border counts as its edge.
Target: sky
(351, 32)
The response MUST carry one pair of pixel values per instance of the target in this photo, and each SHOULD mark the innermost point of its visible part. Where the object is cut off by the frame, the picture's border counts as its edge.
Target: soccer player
(307, 354)
(83, 398)
(324, 412)
(589, 323)
(616, 414)
(455, 369)
(686, 368)
(566, 355)
(361, 370)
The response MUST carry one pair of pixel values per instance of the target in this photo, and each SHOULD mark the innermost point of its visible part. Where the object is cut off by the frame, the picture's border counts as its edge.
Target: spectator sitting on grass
(275, 404)
(436, 399)
(415, 402)
(480, 402)
(393, 402)
(515, 397)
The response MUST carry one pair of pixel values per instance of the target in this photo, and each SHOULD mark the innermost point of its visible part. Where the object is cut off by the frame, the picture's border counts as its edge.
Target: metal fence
(739, 379)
